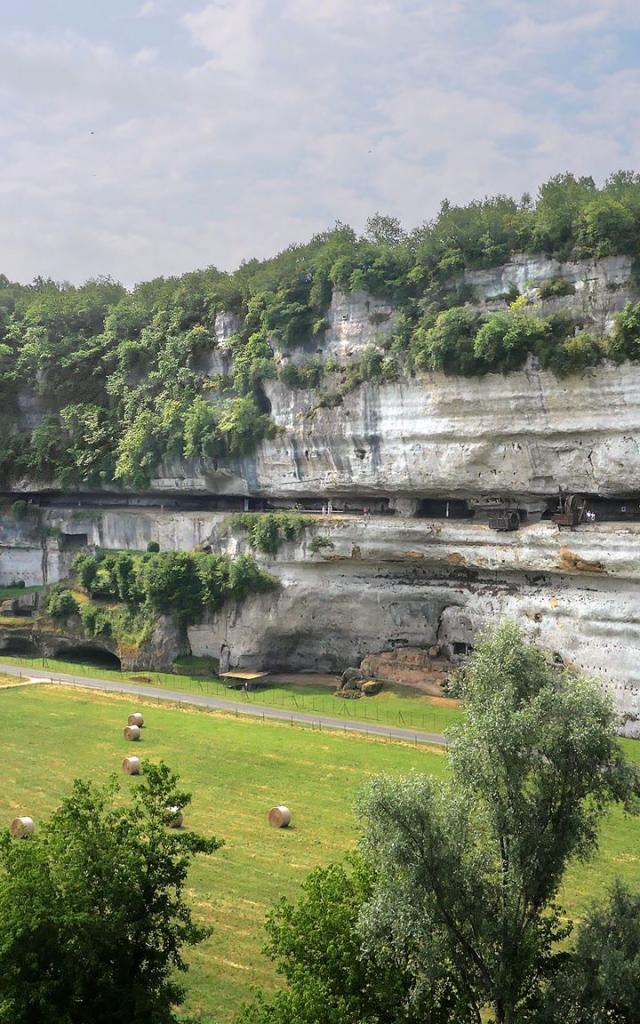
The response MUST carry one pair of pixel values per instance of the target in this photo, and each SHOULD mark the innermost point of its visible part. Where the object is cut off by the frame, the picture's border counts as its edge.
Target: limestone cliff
(397, 579)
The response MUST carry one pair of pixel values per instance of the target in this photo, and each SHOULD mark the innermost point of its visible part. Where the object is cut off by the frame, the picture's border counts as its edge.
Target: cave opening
(443, 508)
(19, 646)
(85, 654)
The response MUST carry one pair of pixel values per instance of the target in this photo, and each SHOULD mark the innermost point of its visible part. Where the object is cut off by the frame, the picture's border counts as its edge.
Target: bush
(505, 339)
(179, 583)
(320, 544)
(19, 509)
(448, 343)
(61, 604)
(153, 547)
(96, 621)
(624, 342)
(556, 288)
(268, 530)
(573, 354)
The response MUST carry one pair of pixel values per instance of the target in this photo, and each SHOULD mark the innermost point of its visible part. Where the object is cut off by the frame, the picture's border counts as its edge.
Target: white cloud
(148, 9)
(252, 124)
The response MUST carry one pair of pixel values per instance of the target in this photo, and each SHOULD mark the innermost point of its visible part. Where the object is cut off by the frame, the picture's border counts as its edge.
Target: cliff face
(392, 581)
(521, 435)
(399, 580)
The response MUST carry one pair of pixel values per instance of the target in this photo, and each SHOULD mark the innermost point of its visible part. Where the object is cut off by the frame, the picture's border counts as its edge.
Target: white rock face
(602, 287)
(415, 581)
(355, 322)
(390, 580)
(524, 434)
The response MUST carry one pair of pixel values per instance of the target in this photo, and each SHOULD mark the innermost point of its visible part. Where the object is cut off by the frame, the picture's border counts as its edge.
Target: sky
(149, 137)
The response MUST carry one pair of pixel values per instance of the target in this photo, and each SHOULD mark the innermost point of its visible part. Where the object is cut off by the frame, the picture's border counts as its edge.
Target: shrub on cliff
(60, 603)
(624, 342)
(180, 583)
(448, 343)
(505, 339)
(268, 531)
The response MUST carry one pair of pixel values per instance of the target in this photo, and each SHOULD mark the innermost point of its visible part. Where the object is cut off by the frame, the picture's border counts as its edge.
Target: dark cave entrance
(84, 654)
(19, 647)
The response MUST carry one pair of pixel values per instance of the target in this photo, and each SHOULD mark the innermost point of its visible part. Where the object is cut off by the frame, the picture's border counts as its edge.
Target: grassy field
(400, 706)
(236, 770)
(10, 592)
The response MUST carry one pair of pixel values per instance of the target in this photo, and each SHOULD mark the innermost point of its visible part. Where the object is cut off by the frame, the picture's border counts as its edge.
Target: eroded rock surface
(397, 580)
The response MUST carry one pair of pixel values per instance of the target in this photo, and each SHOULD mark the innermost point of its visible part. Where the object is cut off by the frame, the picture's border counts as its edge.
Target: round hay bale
(131, 766)
(132, 732)
(280, 816)
(136, 719)
(22, 827)
(177, 818)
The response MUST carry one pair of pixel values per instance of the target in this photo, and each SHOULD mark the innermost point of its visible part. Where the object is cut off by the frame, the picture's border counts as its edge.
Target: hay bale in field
(370, 687)
(131, 766)
(22, 827)
(131, 732)
(136, 719)
(280, 816)
(177, 818)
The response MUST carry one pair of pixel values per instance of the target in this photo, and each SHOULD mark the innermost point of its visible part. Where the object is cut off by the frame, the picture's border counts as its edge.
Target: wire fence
(365, 709)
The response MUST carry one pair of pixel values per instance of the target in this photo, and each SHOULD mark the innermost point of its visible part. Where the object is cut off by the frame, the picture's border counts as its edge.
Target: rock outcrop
(395, 580)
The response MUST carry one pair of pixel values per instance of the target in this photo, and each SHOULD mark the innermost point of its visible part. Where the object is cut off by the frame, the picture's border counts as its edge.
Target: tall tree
(93, 918)
(599, 983)
(331, 978)
(469, 871)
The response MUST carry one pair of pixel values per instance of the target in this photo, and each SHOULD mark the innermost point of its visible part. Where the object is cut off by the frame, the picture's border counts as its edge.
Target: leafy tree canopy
(93, 916)
(123, 381)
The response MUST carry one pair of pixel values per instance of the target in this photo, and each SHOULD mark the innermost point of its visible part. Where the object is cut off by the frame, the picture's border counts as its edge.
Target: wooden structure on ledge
(239, 680)
(571, 511)
(504, 519)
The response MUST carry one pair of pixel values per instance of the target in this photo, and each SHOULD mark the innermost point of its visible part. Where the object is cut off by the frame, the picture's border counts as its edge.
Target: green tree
(470, 870)
(624, 342)
(60, 603)
(505, 339)
(448, 344)
(561, 201)
(93, 917)
(170, 582)
(599, 982)
(317, 948)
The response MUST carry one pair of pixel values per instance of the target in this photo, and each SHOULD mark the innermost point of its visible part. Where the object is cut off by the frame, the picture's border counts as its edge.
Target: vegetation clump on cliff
(123, 381)
(132, 589)
(268, 531)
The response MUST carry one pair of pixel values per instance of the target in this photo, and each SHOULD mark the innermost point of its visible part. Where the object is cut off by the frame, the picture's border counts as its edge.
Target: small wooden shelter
(242, 680)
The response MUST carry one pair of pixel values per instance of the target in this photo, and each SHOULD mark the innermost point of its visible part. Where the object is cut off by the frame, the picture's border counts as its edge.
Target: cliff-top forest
(117, 378)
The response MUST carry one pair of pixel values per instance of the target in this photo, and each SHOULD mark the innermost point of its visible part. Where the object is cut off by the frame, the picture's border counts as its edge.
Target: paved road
(233, 706)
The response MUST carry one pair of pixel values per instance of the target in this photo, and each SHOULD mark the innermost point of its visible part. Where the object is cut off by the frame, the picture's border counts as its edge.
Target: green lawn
(10, 592)
(236, 770)
(393, 706)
